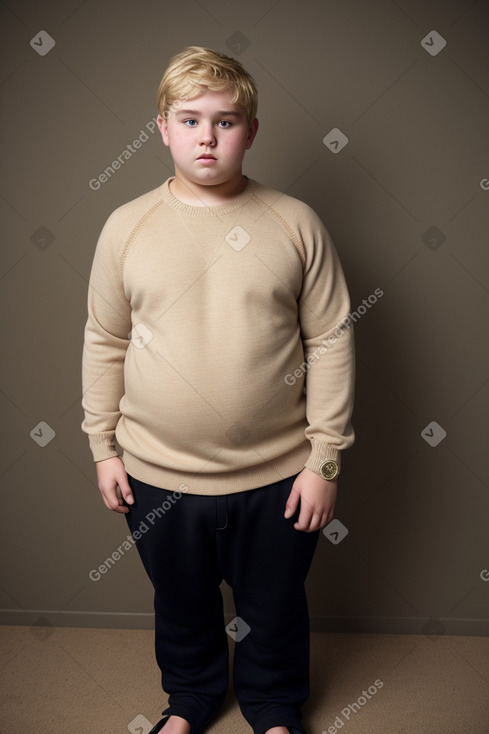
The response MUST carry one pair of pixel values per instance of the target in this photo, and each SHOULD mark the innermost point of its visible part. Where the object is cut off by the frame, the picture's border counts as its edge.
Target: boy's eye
(225, 124)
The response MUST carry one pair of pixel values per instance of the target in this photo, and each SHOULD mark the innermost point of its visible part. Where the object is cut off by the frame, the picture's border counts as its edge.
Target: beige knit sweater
(218, 353)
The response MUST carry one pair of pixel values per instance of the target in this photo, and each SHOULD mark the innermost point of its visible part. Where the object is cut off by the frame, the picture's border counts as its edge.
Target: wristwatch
(329, 469)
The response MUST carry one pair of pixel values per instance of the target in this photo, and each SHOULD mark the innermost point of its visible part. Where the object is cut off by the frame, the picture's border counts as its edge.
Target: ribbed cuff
(103, 445)
(321, 452)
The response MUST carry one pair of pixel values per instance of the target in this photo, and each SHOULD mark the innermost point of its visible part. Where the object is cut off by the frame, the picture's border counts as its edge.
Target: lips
(206, 156)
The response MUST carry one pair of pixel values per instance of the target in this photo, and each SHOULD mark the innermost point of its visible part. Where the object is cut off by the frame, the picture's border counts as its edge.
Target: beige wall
(417, 159)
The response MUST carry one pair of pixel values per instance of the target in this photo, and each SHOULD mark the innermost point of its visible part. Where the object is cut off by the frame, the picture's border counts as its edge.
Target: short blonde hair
(196, 68)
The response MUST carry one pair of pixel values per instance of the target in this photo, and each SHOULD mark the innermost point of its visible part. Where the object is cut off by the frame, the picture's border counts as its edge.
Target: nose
(206, 135)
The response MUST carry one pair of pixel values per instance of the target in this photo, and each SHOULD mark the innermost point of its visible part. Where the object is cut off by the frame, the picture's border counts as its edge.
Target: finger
(113, 501)
(315, 521)
(320, 521)
(292, 502)
(324, 521)
(330, 515)
(304, 519)
(121, 507)
(126, 490)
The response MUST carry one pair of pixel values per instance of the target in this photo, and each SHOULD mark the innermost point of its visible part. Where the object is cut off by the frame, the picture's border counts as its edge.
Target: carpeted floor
(97, 681)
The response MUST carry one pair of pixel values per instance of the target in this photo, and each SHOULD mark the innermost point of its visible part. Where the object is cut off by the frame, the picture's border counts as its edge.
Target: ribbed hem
(218, 484)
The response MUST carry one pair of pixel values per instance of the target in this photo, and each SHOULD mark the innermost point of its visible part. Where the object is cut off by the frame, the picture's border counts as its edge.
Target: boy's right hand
(111, 474)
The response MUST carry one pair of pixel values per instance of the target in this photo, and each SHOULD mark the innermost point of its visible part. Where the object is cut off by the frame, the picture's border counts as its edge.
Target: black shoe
(159, 726)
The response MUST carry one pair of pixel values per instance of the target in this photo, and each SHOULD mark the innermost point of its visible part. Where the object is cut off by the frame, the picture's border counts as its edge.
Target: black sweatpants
(190, 544)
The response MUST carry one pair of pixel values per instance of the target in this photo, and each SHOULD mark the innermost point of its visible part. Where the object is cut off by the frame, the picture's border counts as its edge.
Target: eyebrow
(220, 113)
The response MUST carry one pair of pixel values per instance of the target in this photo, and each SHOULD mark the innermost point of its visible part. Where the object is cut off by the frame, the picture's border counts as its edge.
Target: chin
(212, 179)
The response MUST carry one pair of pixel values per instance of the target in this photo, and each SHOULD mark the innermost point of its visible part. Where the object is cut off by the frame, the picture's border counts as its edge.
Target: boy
(214, 301)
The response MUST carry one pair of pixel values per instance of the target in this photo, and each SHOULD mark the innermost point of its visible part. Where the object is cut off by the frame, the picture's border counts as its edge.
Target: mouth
(206, 156)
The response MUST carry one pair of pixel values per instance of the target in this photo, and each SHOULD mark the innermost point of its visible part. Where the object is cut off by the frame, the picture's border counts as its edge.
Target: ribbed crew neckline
(205, 211)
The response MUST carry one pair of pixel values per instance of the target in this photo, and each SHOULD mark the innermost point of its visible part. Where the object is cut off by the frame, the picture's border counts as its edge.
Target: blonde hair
(196, 68)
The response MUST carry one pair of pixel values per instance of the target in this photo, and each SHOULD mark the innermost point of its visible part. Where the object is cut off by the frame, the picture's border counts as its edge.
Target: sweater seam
(285, 226)
(135, 231)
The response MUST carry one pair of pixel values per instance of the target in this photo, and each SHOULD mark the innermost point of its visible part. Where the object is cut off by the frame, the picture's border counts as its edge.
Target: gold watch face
(329, 469)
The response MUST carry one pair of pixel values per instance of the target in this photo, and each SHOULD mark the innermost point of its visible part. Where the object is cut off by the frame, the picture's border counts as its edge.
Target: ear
(252, 130)
(163, 127)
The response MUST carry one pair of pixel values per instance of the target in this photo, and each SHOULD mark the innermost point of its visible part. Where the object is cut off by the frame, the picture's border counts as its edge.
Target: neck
(200, 195)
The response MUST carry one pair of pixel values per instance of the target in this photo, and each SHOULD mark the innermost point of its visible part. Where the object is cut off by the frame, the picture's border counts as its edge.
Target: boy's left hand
(318, 499)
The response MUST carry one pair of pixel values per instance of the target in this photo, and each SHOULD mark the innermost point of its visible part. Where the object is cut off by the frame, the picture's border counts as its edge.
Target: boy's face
(208, 137)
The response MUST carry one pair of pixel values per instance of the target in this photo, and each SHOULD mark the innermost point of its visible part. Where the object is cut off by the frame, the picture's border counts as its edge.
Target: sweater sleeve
(106, 341)
(327, 338)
